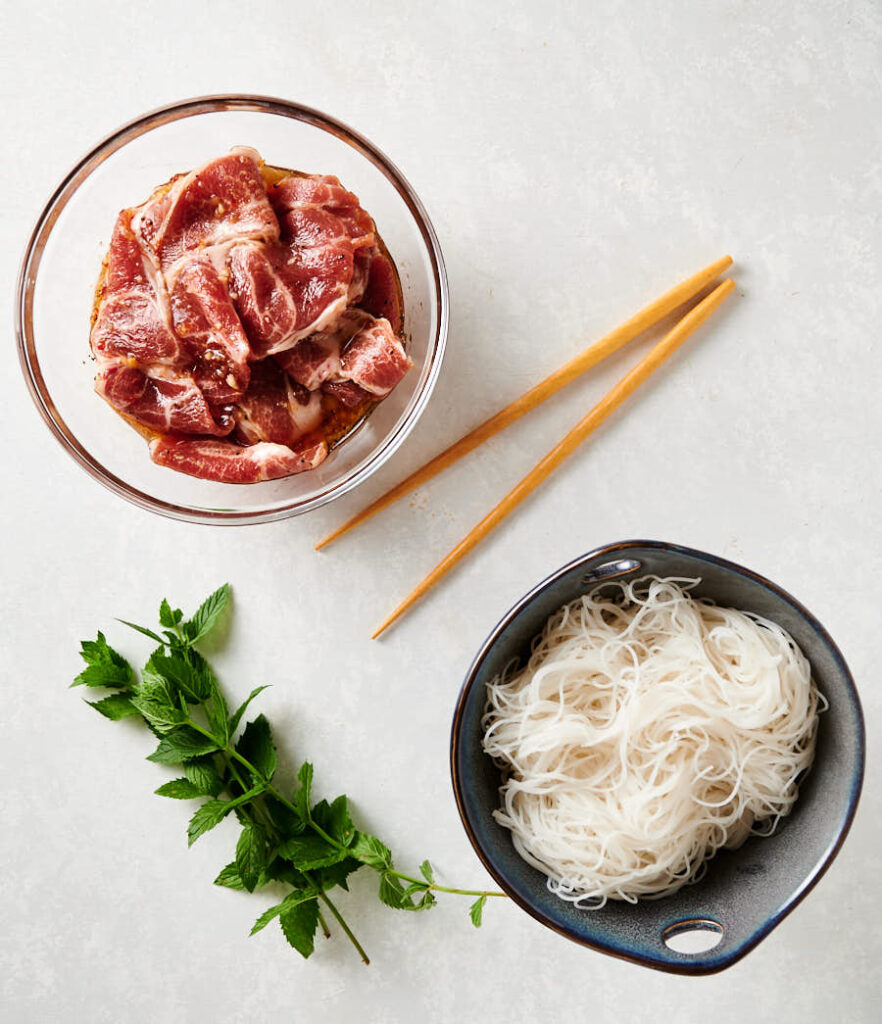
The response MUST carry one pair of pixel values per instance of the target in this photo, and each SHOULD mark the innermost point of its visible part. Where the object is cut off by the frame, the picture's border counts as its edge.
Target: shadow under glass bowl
(63, 260)
(746, 892)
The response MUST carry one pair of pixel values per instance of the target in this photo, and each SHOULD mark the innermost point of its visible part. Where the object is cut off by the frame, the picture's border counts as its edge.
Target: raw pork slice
(347, 393)
(375, 359)
(315, 359)
(361, 269)
(229, 463)
(205, 317)
(223, 202)
(285, 293)
(163, 404)
(134, 320)
(275, 408)
(297, 193)
(380, 297)
(312, 360)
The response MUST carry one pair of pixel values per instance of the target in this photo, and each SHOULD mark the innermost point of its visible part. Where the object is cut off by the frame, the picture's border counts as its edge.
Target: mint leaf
(179, 789)
(427, 873)
(156, 700)
(183, 672)
(229, 878)
(369, 850)
(112, 677)
(279, 870)
(309, 851)
(208, 614)
(181, 745)
(302, 798)
(426, 900)
(98, 652)
(142, 629)
(265, 918)
(189, 674)
(476, 911)
(299, 923)
(105, 667)
(202, 774)
(216, 712)
(335, 820)
(256, 746)
(290, 901)
(392, 893)
(206, 681)
(114, 707)
(319, 812)
(286, 821)
(240, 710)
(251, 854)
(211, 813)
(169, 617)
(336, 874)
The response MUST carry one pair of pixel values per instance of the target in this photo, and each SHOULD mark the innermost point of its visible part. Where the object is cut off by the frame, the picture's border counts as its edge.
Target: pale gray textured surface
(576, 161)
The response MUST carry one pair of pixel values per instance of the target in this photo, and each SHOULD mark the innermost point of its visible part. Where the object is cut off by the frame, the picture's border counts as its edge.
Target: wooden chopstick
(564, 375)
(607, 405)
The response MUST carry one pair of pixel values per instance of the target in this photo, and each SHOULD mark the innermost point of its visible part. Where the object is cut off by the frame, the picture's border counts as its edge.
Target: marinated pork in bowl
(246, 319)
(270, 314)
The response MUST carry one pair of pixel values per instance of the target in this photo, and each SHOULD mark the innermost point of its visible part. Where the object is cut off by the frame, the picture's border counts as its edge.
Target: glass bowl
(63, 258)
(745, 892)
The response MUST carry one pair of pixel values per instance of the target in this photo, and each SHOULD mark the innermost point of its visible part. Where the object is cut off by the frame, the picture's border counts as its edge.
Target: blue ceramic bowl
(745, 892)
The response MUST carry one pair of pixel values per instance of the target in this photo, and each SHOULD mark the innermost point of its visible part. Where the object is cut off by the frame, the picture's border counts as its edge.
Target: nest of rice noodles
(648, 730)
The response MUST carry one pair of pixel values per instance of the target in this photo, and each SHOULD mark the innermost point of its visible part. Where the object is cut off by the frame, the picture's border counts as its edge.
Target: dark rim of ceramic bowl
(24, 320)
(696, 966)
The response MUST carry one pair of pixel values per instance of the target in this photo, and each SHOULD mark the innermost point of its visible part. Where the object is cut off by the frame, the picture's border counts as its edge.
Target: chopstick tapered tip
(345, 528)
(394, 616)
(335, 534)
(713, 270)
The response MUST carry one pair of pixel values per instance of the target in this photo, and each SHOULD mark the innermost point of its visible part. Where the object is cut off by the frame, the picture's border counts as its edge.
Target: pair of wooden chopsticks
(626, 332)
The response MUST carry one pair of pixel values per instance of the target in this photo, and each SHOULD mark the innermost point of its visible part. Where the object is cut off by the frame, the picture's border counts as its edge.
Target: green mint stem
(325, 898)
(442, 888)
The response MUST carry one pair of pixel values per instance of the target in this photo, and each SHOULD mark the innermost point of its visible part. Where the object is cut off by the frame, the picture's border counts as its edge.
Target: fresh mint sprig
(312, 848)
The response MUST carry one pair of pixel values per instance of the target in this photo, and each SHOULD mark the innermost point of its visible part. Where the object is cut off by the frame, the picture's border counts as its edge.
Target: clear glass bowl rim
(24, 304)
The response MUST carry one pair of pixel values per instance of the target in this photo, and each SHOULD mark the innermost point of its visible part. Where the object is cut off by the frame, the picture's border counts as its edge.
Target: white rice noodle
(648, 730)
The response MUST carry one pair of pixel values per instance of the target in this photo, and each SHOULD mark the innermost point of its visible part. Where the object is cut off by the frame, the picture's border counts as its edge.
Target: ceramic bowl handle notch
(611, 571)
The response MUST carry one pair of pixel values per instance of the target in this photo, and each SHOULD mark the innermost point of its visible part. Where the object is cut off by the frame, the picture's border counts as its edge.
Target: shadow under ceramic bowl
(745, 892)
(63, 259)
